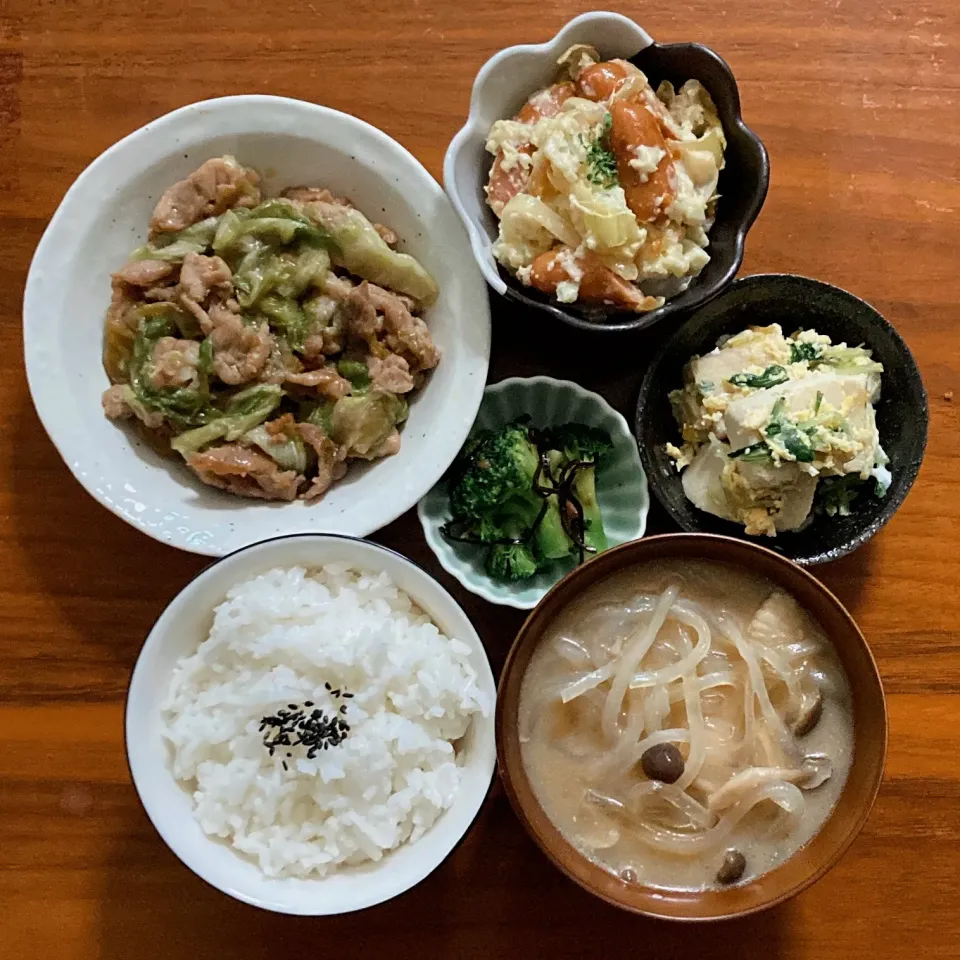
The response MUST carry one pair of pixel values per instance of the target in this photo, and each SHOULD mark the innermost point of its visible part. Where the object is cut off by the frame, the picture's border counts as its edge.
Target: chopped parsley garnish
(601, 163)
(805, 351)
(770, 377)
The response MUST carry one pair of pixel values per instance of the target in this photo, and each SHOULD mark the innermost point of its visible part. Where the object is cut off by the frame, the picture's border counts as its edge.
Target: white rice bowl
(278, 640)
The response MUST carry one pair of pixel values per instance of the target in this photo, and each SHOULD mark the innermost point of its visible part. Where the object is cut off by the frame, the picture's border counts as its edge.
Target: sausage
(633, 125)
(599, 284)
(599, 81)
(504, 185)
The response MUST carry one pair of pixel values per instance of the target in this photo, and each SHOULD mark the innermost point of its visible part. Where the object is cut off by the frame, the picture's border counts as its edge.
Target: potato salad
(604, 188)
(774, 428)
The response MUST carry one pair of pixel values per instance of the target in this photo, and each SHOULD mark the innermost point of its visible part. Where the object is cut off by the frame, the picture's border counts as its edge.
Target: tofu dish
(267, 341)
(775, 429)
(605, 189)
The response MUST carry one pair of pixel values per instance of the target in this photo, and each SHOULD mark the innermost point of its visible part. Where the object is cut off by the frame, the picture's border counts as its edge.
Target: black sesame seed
(327, 685)
(308, 703)
(347, 695)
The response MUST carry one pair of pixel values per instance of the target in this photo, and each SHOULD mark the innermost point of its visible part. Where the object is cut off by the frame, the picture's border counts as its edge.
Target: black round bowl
(793, 302)
(742, 188)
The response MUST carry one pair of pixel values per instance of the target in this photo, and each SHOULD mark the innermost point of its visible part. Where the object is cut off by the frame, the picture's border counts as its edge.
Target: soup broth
(686, 725)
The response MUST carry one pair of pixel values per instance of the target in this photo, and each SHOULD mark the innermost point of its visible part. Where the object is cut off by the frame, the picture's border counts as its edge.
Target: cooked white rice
(277, 640)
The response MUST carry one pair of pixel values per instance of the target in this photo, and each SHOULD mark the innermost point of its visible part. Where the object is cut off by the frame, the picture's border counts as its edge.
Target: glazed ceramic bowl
(179, 631)
(795, 303)
(503, 85)
(104, 216)
(812, 860)
(621, 484)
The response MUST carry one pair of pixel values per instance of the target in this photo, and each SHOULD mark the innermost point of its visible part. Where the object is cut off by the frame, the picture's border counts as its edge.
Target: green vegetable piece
(173, 247)
(309, 268)
(241, 413)
(182, 407)
(582, 444)
(227, 239)
(279, 208)
(770, 377)
(362, 424)
(551, 541)
(363, 252)
(837, 496)
(357, 373)
(285, 315)
(755, 453)
(511, 562)
(318, 414)
(289, 452)
(259, 273)
(856, 359)
(280, 231)
(805, 351)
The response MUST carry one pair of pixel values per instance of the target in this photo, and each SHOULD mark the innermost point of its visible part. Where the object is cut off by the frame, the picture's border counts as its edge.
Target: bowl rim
(494, 275)
(801, 282)
(35, 328)
(484, 589)
(194, 864)
(553, 845)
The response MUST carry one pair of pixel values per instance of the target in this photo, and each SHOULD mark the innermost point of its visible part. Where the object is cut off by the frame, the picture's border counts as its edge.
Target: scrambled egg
(577, 207)
(767, 421)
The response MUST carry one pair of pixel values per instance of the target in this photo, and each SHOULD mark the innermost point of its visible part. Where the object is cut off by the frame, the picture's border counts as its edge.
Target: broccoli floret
(577, 441)
(498, 467)
(513, 561)
(494, 500)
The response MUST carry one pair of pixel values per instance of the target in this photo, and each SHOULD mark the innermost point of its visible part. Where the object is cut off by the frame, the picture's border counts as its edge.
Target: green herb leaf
(805, 351)
(796, 443)
(755, 453)
(773, 375)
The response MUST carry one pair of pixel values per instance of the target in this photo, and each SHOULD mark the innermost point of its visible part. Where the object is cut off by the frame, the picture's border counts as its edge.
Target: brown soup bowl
(812, 860)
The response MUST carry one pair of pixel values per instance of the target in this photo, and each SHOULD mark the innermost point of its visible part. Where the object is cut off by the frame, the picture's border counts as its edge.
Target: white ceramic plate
(621, 484)
(104, 216)
(178, 633)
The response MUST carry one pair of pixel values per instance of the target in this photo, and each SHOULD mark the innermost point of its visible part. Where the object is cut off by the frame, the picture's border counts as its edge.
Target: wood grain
(858, 104)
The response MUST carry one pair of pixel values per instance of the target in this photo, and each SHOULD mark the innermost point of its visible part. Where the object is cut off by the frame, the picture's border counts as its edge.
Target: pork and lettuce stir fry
(268, 341)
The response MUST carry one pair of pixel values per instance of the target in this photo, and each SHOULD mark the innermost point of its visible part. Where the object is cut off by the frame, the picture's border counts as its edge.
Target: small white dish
(621, 484)
(179, 631)
(500, 89)
(104, 216)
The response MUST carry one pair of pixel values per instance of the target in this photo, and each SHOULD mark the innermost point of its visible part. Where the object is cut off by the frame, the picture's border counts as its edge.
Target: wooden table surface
(858, 102)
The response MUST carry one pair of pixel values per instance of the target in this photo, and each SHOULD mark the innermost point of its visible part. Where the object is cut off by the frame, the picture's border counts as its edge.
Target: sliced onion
(689, 663)
(629, 661)
(573, 652)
